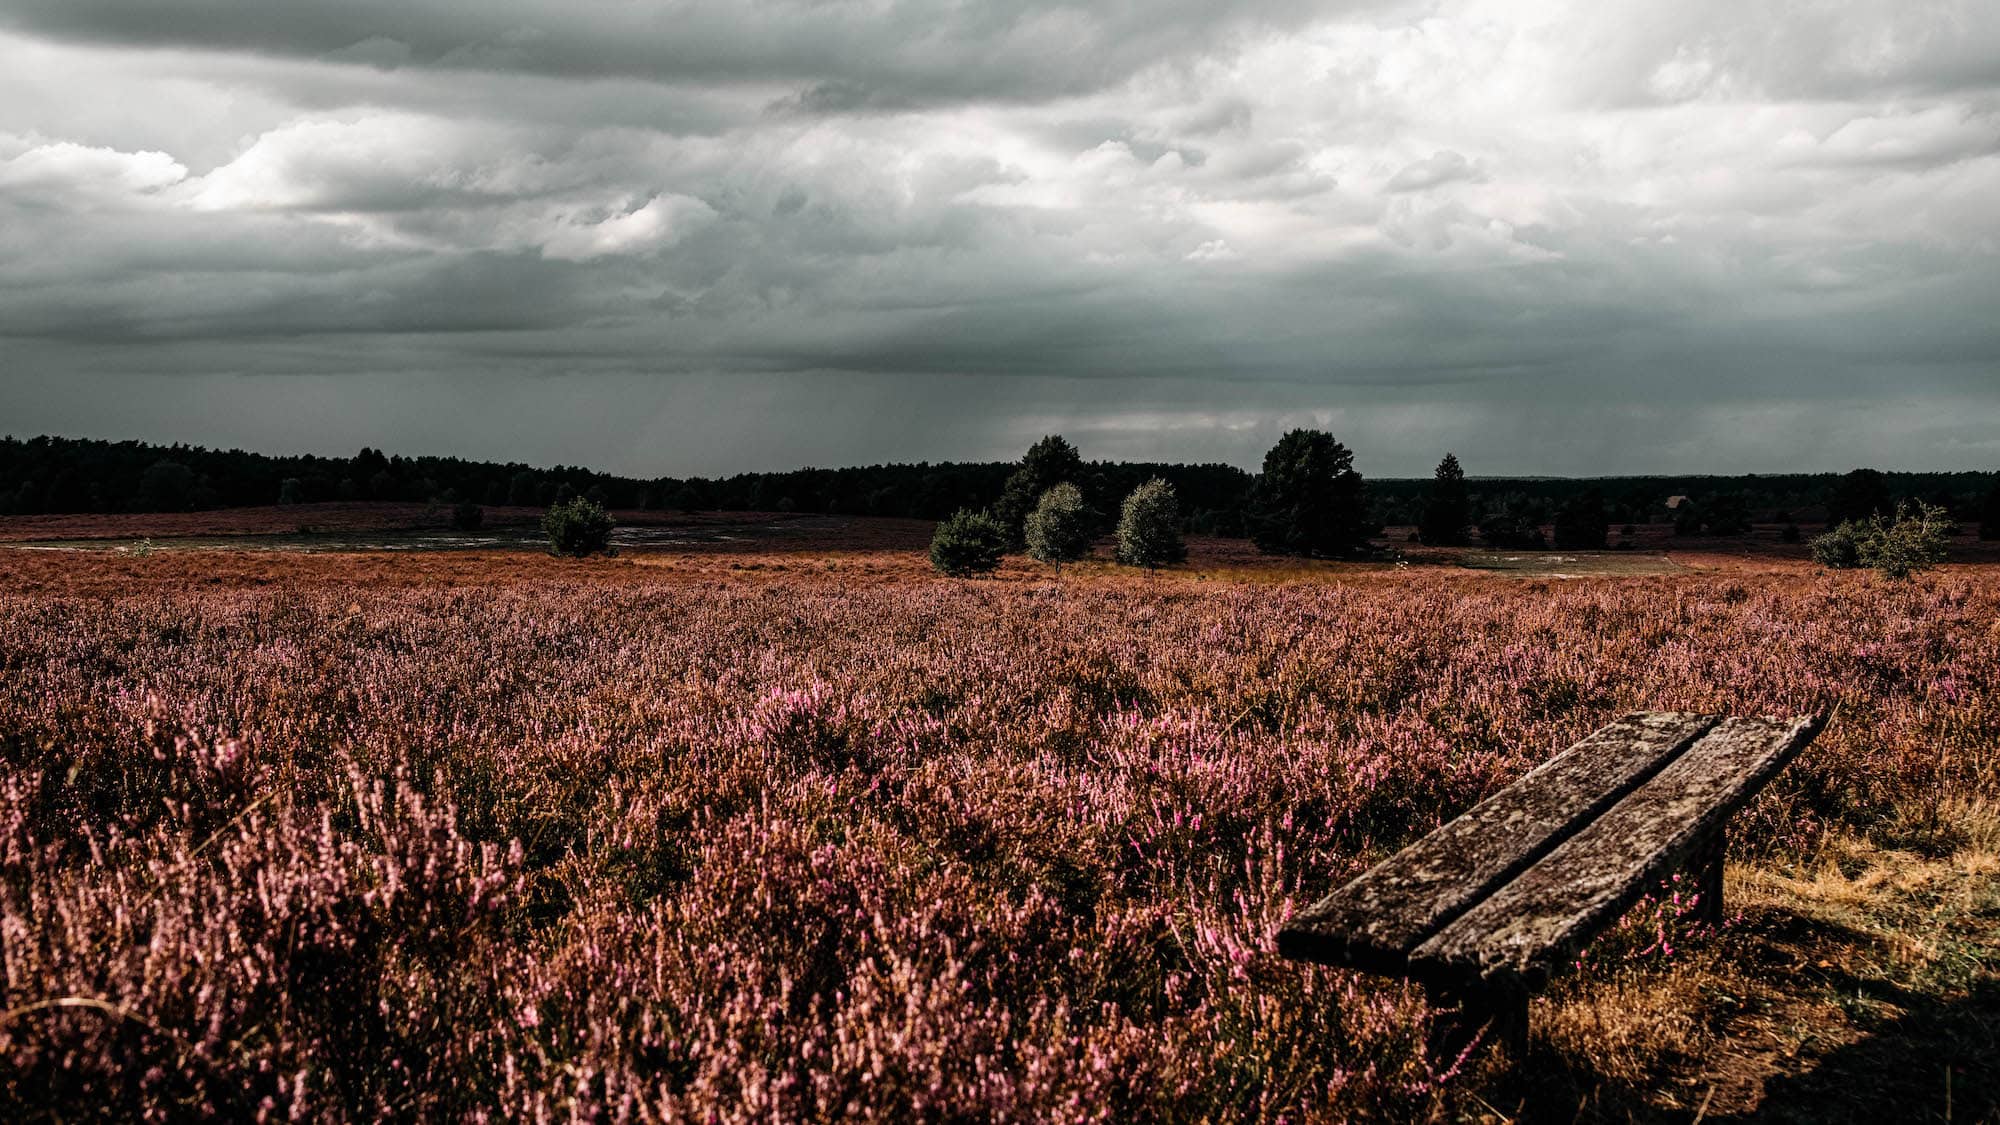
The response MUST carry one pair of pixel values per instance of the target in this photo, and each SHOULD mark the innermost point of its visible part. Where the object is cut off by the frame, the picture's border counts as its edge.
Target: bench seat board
(1379, 919)
(1540, 919)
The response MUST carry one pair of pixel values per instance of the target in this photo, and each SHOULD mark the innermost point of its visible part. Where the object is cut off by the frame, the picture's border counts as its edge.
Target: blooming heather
(602, 842)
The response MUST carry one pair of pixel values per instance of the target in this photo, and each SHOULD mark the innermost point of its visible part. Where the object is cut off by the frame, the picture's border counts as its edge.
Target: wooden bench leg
(1461, 1013)
(1707, 869)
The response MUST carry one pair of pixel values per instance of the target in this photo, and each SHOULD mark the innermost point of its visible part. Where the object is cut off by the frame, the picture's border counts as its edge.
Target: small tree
(1989, 513)
(1058, 530)
(1308, 500)
(967, 542)
(468, 516)
(578, 527)
(291, 491)
(1447, 510)
(1149, 527)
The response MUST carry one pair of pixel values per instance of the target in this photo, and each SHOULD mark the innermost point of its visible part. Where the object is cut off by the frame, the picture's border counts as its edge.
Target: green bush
(1149, 527)
(968, 542)
(578, 527)
(1058, 530)
(1840, 548)
(1915, 540)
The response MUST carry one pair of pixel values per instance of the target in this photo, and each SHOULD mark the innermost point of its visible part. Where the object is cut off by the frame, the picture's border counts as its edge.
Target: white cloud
(376, 162)
(661, 222)
(84, 177)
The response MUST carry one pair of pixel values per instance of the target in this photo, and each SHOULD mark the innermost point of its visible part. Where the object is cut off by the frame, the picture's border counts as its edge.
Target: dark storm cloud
(847, 55)
(1565, 237)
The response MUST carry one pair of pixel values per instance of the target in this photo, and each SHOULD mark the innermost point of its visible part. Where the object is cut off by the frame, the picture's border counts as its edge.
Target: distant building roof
(1675, 502)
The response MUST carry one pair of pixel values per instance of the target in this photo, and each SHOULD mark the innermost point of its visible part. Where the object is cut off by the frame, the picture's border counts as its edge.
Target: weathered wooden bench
(1483, 910)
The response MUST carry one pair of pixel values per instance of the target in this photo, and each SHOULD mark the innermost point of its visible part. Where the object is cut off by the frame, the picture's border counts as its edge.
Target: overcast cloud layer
(1600, 236)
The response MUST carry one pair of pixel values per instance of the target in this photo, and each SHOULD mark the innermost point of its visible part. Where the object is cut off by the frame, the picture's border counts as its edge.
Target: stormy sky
(1556, 236)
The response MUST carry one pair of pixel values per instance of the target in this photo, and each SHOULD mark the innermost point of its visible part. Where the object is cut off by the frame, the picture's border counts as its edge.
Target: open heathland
(735, 834)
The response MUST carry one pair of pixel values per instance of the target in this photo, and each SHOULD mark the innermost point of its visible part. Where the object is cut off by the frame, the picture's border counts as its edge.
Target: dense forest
(61, 475)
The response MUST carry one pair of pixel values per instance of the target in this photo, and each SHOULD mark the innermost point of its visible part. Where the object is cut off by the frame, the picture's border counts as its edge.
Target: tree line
(1307, 500)
(46, 475)
(55, 475)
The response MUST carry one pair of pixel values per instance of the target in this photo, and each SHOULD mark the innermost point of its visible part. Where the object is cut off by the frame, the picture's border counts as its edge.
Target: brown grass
(1855, 986)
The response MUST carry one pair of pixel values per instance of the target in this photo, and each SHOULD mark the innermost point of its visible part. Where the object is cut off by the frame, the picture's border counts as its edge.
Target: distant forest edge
(54, 475)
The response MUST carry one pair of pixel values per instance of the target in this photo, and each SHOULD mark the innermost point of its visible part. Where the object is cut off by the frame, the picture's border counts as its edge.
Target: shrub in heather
(966, 543)
(467, 516)
(578, 527)
(1840, 547)
(1915, 540)
(1989, 513)
(1149, 527)
(1058, 530)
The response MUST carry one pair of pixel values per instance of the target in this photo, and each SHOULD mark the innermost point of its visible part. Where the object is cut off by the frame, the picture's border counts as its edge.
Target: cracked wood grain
(1379, 919)
(1539, 920)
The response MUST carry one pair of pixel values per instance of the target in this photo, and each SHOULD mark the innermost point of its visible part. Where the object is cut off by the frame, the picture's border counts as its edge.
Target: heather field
(740, 835)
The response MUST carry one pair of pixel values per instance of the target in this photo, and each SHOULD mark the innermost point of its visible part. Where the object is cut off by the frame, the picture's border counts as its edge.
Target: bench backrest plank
(1379, 919)
(1540, 919)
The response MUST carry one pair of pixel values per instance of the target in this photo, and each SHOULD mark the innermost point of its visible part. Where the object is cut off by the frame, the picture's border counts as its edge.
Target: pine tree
(1447, 510)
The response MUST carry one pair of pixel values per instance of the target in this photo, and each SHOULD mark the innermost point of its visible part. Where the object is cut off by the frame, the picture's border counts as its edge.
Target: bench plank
(1379, 919)
(1543, 917)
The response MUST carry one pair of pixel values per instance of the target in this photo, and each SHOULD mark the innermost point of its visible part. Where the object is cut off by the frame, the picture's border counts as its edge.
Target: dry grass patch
(1857, 985)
